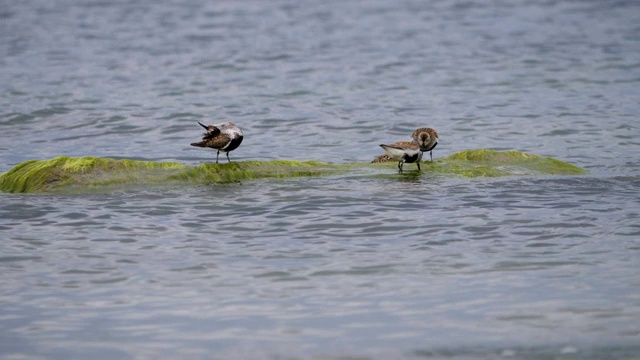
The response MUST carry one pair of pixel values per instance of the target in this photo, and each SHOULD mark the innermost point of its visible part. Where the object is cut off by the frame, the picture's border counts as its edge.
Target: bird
(223, 137)
(427, 139)
(405, 152)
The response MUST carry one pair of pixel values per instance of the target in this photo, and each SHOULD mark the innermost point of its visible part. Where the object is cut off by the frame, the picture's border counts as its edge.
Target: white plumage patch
(398, 153)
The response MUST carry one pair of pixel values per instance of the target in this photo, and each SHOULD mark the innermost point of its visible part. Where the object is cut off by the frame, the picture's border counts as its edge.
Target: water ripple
(345, 266)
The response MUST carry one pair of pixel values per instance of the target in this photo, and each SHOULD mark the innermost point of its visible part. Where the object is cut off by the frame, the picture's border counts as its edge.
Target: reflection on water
(348, 265)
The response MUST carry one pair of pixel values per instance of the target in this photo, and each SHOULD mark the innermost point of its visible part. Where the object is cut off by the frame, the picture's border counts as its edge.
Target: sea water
(338, 266)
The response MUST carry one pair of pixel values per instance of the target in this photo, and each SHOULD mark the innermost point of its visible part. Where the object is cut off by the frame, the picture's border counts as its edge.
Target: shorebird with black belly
(224, 137)
(404, 152)
(427, 139)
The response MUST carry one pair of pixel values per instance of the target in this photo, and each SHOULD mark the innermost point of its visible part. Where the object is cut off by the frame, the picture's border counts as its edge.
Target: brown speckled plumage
(427, 138)
(382, 158)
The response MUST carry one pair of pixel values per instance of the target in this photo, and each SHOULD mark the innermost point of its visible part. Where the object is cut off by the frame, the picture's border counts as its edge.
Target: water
(341, 266)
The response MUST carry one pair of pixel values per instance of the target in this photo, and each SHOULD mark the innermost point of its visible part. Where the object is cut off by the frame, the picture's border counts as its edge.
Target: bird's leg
(418, 163)
(400, 165)
(431, 151)
(217, 154)
(229, 160)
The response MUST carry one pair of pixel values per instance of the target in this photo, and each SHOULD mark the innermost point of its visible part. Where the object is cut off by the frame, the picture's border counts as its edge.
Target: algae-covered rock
(88, 171)
(249, 170)
(515, 162)
(492, 163)
(66, 174)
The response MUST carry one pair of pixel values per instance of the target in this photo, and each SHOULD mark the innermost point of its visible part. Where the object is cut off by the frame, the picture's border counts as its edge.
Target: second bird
(223, 137)
(426, 138)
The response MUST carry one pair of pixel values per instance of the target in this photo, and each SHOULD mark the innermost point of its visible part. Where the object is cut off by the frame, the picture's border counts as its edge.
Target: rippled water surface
(339, 266)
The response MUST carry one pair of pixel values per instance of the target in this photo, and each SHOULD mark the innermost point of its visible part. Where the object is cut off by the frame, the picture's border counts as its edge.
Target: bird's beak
(206, 127)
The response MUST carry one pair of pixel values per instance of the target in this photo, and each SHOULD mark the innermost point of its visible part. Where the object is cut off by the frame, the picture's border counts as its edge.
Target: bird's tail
(198, 144)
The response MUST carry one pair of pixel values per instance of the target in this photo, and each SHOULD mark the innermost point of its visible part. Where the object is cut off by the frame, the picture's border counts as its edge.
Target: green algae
(492, 163)
(88, 171)
(66, 174)
(250, 170)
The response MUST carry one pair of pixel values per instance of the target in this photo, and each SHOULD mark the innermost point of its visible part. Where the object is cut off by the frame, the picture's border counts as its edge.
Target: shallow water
(334, 266)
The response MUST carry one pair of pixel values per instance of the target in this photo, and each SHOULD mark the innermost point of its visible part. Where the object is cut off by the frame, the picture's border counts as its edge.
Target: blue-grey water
(332, 267)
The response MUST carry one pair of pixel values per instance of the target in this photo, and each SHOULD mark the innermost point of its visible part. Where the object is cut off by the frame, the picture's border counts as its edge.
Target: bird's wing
(216, 142)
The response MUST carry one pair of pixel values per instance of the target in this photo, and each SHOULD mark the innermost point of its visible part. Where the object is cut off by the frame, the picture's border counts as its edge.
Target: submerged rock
(85, 174)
